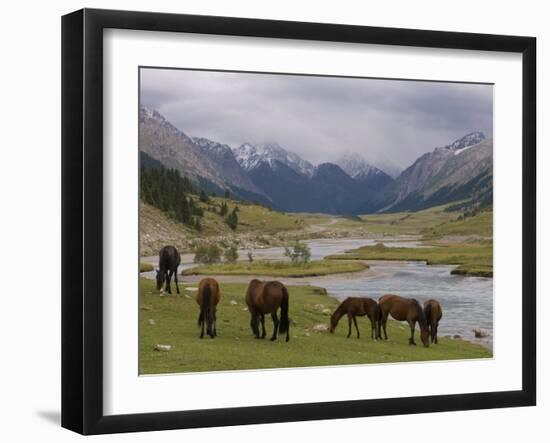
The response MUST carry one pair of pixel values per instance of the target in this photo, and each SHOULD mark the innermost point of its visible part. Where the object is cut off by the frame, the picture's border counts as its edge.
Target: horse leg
(411, 325)
(384, 321)
(214, 325)
(349, 326)
(275, 325)
(168, 278)
(356, 327)
(201, 321)
(254, 325)
(435, 333)
(176, 281)
(262, 319)
(372, 329)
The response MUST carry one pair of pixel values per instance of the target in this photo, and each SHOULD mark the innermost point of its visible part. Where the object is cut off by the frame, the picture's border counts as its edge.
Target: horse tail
(377, 319)
(420, 316)
(205, 303)
(283, 325)
(428, 313)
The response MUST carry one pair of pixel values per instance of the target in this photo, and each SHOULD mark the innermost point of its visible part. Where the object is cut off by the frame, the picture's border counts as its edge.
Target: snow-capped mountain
(364, 173)
(469, 140)
(250, 157)
(212, 146)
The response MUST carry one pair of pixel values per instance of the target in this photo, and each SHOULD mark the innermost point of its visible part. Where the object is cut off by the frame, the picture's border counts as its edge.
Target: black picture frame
(82, 218)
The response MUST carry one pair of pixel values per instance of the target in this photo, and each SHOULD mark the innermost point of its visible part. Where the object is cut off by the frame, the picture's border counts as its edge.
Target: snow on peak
(356, 166)
(250, 157)
(469, 140)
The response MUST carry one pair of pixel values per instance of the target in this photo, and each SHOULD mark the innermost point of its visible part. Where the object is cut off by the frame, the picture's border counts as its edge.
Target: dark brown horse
(208, 297)
(404, 309)
(169, 260)
(433, 313)
(353, 307)
(266, 298)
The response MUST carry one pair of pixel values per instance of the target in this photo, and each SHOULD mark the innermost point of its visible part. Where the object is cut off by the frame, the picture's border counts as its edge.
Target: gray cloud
(319, 118)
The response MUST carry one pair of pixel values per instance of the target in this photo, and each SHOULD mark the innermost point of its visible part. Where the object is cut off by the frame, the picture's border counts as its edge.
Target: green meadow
(172, 320)
(278, 269)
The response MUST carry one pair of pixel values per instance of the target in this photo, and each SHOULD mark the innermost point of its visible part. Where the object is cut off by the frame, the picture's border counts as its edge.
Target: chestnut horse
(208, 297)
(266, 298)
(403, 309)
(353, 307)
(169, 260)
(433, 313)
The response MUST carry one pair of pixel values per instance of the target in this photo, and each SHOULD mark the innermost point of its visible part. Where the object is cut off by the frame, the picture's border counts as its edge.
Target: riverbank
(172, 320)
(314, 268)
(472, 258)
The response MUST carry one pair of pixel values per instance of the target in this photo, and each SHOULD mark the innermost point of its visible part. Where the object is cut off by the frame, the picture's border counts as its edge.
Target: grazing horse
(208, 297)
(433, 313)
(353, 307)
(266, 298)
(169, 260)
(403, 309)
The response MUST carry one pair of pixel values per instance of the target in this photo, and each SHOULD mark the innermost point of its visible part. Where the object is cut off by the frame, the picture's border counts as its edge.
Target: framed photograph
(269, 221)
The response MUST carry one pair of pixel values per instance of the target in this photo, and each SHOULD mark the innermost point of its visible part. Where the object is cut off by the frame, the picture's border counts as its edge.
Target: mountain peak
(471, 139)
(250, 156)
(355, 165)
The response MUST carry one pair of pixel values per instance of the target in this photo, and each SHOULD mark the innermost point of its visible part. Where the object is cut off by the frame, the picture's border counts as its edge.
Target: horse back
(399, 307)
(169, 258)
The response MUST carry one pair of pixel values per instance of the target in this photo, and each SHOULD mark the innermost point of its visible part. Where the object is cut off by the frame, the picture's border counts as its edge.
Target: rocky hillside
(278, 178)
(209, 164)
(457, 171)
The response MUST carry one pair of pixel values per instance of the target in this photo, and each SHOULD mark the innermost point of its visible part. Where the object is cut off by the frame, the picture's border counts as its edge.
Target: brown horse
(353, 307)
(433, 313)
(403, 309)
(208, 297)
(266, 298)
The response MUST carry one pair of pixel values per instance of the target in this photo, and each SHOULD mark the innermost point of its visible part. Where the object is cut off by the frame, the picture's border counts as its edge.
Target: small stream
(467, 301)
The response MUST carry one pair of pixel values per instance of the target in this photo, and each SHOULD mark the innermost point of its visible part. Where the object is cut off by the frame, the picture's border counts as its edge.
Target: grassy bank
(172, 321)
(472, 258)
(145, 267)
(278, 269)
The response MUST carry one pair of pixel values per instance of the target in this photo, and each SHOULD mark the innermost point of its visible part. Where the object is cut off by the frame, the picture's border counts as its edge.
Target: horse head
(160, 279)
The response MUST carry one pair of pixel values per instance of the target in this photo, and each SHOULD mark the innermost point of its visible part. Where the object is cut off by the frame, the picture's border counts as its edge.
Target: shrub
(231, 255)
(298, 253)
(207, 254)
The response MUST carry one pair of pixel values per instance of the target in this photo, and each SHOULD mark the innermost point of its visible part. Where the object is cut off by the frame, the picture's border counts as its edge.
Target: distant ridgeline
(270, 175)
(168, 191)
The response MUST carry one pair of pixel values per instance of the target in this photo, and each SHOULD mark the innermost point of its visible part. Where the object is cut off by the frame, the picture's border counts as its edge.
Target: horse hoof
(273, 339)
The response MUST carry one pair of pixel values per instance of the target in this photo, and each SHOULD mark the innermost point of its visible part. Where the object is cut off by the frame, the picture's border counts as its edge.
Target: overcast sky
(320, 118)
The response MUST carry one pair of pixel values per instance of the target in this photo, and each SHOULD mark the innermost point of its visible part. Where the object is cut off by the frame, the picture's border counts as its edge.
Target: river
(467, 301)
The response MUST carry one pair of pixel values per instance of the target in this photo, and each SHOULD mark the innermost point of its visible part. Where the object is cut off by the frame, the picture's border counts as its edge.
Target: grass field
(278, 269)
(172, 320)
(407, 223)
(480, 225)
(472, 258)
